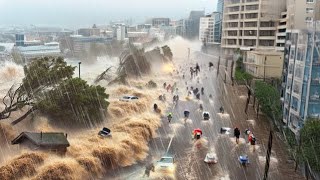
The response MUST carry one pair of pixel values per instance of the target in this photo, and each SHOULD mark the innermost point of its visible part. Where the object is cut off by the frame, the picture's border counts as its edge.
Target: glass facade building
(301, 78)
(218, 22)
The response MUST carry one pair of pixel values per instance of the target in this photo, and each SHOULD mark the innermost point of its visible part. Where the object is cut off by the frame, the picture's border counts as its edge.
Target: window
(309, 10)
(310, 1)
(308, 19)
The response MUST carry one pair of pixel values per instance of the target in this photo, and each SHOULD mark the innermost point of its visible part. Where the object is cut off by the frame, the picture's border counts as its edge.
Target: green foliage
(269, 99)
(45, 72)
(310, 144)
(74, 101)
(241, 75)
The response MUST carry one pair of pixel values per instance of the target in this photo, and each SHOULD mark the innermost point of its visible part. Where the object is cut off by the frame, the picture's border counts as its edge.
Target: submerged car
(165, 163)
(128, 98)
(105, 132)
(225, 130)
(210, 158)
(206, 115)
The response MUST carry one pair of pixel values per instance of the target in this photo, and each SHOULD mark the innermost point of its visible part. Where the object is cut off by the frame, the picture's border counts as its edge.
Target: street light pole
(79, 68)
(264, 68)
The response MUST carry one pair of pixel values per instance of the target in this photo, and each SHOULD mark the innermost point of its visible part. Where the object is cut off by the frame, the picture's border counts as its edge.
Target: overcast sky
(87, 12)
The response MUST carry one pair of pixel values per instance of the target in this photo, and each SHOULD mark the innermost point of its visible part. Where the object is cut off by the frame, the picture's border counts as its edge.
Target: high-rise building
(218, 22)
(204, 30)
(20, 38)
(281, 32)
(156, 22)
(193, 23)
(301, 78)
(207, 28)
(250, 24)
(301, 13)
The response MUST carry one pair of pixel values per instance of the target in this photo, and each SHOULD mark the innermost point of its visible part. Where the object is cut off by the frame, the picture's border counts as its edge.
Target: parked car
(166, 163)
(128, 98)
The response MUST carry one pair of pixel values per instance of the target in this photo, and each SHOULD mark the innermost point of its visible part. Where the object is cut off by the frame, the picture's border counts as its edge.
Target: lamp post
(79, 68)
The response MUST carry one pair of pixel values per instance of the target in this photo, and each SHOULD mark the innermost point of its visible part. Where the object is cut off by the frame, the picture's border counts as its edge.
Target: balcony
(282, 27)
(267, 28)
(281, 34)
(279, 48)
(231, 28)
(248, 37)
(267, 37)
(230, 4)
(232, 12)
(280, 41)
(231, 20)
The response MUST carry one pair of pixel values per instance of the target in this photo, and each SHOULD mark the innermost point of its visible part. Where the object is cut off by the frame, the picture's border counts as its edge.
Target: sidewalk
(237, 96)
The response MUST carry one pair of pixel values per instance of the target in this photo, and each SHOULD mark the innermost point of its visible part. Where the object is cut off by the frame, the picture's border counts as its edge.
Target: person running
(169, 117)
(237, 134)
(149, 167)
(191, 72)
(155, 107)
(252, 140)
(210, 66)
(197, 68)
(164, 85)
(168, 87)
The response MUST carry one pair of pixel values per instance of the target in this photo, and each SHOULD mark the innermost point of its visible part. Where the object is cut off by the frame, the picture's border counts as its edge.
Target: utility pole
(218, 66)
(266, 169)
(264, 68)
(226, 70)
(231, 73)
(79, 68)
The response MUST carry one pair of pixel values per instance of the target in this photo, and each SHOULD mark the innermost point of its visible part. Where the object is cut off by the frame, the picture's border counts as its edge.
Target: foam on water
(89, 156)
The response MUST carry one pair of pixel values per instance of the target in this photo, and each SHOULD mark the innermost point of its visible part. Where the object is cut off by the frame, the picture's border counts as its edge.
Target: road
(189, 159)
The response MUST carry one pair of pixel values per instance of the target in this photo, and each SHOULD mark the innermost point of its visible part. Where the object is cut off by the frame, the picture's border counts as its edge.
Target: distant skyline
(78, 13)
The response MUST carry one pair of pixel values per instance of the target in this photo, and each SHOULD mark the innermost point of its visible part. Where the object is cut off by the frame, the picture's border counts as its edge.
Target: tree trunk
(23, 117)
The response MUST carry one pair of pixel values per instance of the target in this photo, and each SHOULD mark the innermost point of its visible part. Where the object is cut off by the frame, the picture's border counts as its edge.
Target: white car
(210, 158)
(128, 98)
(165, 163)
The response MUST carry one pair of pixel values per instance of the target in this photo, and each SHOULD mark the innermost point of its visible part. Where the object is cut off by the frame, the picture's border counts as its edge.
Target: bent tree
(46, 81)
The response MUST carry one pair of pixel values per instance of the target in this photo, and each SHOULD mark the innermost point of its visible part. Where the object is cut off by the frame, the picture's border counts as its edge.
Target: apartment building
(207, 28)
(301, 13)
(218, 22)
(250, 24)
(281, 32)
(301, 78)
(156, 22)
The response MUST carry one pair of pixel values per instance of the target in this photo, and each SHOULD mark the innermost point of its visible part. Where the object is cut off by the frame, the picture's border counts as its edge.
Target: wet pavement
(189, 160)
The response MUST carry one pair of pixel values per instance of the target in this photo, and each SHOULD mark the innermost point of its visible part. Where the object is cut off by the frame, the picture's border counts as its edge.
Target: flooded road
(189, 159)
(140, 136)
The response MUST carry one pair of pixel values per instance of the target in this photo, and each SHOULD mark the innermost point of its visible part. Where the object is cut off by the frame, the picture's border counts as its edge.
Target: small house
(48, 141)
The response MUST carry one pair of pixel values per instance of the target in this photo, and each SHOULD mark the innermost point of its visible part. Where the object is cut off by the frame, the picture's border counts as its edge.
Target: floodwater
(89, 156)
(139, 135)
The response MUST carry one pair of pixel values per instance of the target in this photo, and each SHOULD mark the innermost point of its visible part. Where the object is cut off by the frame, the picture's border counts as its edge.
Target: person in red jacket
(252, 140)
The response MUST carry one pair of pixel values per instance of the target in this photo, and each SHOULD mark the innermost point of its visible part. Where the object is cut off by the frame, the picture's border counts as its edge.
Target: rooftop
(43, 138)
